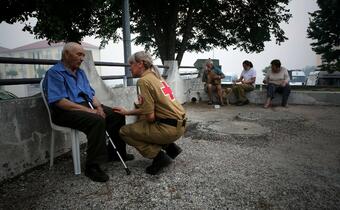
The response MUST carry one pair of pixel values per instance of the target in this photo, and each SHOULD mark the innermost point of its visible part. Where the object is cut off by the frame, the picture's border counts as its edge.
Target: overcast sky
(295, 53)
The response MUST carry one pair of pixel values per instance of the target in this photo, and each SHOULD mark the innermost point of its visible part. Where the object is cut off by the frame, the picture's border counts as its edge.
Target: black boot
(159, 162)
(172, 150)
(95, 173)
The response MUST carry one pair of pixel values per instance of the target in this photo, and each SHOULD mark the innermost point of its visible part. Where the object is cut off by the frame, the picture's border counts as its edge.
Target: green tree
(62, 20)
(324, 28)
(265, 70)
(174, 27)
(308, 69)
(40, 72)
(169, 27)
(11, 73)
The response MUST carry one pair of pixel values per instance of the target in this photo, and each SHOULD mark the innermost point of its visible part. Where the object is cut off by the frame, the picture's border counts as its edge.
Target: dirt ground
(233, 158)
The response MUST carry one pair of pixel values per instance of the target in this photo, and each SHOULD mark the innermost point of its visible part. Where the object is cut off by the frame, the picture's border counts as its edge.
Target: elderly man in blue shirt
(65, 83)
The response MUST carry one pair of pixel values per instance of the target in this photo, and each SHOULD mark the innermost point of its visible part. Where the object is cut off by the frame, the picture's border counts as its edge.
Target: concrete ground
(233, 158)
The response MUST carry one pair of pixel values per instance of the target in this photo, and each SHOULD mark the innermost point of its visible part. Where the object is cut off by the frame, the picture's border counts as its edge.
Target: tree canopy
(169, 27)
(63, 20)
(324, 29)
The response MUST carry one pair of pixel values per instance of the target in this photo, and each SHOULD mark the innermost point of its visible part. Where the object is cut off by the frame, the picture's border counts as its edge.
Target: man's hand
(100, 111)
(283, 83)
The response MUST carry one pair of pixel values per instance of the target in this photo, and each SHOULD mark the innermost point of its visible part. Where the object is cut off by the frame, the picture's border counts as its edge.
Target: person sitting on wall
(65, 83)
(247, 83)
(277, 80)
(212, 77)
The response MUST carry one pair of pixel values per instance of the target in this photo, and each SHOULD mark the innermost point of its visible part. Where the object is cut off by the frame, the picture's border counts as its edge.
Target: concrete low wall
(299, 97)
(24, 135)
(296, 97)
(25, 132)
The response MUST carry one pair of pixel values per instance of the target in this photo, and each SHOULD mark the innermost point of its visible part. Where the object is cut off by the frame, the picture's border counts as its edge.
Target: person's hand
(217, 77)
(93, 111)
(283, 83)
(100, 111)
(120, 110)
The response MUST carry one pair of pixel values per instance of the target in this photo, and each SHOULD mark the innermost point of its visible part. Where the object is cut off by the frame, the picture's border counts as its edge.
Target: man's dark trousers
(94, 127)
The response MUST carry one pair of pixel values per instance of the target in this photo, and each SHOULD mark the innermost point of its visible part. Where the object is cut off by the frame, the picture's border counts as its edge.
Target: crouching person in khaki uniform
(161, 117)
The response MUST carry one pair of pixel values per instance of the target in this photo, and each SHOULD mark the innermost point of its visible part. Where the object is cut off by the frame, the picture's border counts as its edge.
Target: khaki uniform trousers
(148, 138)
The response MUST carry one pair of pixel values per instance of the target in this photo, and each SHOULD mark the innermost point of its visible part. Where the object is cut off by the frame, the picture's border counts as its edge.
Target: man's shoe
(127, 157)
(159, 162)
(172, 150)
(95, 173)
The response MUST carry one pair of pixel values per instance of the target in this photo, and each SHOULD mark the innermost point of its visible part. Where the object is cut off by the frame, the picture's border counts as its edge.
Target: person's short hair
(276, 63)
(248, 63)
(67, 47)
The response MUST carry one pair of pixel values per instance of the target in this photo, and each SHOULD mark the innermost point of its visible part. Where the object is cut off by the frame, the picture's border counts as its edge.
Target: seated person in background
(247, 83)
(277, 80)
(212, 77)
(64, 83)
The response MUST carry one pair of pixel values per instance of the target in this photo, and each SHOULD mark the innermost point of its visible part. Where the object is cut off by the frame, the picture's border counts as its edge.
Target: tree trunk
(186, 36)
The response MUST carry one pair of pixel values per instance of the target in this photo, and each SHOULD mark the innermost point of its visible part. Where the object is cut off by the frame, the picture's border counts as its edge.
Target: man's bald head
(73, 55)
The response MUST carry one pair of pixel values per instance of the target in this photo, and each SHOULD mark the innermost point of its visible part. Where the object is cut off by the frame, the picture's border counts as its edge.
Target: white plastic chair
(65, 130)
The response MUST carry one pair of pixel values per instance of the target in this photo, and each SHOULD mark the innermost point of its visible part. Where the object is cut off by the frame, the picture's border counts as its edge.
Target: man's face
(74, 57)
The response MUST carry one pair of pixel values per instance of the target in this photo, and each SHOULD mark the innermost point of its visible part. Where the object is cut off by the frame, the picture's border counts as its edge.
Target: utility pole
(126, 41)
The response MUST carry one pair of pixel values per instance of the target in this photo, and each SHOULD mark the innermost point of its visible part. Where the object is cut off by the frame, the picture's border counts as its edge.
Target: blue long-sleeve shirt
(59, 83)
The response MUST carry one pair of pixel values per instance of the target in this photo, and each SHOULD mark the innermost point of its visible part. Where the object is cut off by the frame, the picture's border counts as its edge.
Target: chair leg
(75, 152)
(52, 149)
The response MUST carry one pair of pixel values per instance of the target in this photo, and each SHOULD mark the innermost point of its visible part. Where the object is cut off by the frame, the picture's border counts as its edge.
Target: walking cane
(128, 172)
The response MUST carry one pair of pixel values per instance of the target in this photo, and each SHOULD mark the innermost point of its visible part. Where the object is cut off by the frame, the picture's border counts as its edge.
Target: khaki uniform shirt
(155, 95)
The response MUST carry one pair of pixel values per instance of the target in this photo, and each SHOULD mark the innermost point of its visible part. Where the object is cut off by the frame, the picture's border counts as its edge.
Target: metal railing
(21, 81)
(17, 81)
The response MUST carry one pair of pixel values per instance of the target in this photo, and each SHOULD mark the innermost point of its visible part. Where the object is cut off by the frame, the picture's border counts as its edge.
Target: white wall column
(174, 80)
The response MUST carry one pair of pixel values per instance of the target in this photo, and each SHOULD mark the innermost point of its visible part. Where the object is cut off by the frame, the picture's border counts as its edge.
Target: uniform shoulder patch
(166, 90)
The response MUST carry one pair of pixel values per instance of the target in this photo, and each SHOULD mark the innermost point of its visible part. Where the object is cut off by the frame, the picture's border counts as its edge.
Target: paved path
(234, 157)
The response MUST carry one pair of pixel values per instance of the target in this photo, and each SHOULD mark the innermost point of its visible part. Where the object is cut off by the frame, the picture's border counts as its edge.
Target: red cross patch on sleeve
(166, 90)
